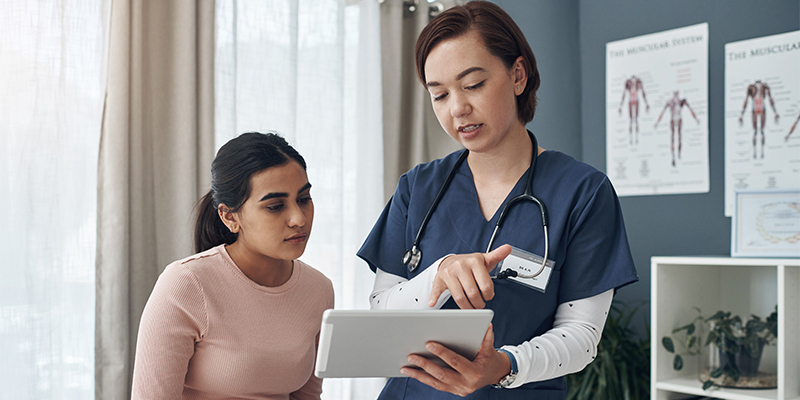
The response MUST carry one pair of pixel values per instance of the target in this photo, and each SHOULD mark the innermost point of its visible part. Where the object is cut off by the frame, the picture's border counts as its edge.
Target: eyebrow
(458, 77)
(273, 195)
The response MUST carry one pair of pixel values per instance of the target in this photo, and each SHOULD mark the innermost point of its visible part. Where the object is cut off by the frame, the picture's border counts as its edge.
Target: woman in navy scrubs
(482, 78)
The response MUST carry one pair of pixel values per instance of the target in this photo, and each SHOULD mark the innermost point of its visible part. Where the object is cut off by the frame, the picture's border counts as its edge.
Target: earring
(518, 91)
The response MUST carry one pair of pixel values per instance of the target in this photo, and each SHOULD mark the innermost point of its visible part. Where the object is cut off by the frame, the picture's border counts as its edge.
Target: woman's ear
(520, 75)
(229, 218)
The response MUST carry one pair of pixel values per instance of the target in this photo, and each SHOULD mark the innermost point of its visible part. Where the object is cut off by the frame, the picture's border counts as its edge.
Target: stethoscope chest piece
(411, 258)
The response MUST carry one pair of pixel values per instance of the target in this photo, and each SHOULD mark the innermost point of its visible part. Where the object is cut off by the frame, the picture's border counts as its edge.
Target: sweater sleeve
(392, 292)
(567, 348)
(174, 319)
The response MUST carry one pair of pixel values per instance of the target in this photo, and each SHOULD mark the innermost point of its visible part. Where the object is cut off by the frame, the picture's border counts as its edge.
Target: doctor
(482, 78)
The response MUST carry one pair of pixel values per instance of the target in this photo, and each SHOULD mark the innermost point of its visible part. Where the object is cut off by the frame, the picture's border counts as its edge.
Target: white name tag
(523, 262)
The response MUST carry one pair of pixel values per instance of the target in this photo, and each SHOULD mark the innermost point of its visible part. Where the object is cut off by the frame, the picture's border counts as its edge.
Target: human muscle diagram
(762, 84)
(645, 153)
(675, 105)
(633, 86)
(758, 91)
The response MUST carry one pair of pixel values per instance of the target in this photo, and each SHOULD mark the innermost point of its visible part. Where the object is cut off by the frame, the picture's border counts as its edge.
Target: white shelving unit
(742, 286)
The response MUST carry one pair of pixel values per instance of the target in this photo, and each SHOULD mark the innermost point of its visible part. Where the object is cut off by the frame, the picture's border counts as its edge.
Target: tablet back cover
(376, 343)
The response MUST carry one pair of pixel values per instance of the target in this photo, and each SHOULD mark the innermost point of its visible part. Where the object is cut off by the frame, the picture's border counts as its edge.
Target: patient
(241, 318)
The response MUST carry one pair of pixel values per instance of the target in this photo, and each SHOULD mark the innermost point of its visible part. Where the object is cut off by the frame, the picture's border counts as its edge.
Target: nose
(297, 217)
(459, 106)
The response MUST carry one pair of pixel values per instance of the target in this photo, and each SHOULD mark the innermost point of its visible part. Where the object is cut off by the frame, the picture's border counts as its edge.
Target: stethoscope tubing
(500, 219)
(413, 256)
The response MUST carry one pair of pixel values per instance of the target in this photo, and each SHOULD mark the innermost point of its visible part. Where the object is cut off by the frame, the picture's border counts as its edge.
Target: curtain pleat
(411, 133)
(155, 154)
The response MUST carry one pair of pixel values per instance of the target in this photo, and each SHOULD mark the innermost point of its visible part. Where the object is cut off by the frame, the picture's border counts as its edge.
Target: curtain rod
(434, 7)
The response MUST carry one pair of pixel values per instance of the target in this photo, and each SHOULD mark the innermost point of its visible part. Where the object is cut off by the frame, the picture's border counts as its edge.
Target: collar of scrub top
(412, 256)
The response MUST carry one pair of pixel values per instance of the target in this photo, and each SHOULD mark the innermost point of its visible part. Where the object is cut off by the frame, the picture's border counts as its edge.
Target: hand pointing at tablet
(467, 278)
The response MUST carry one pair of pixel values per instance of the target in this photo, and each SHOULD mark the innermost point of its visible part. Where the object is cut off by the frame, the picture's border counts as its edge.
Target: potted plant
(739, 345)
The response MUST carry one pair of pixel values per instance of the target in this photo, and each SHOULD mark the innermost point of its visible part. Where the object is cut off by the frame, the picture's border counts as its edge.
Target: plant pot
(746, 363)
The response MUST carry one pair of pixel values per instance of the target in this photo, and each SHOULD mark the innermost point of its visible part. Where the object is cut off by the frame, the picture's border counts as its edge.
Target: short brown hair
(501, 36)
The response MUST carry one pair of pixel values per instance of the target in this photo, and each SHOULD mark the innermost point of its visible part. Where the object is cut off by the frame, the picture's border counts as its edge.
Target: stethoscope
(412, 256)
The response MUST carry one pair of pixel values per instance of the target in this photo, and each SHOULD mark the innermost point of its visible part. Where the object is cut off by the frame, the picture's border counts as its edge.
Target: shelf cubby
(743, 286)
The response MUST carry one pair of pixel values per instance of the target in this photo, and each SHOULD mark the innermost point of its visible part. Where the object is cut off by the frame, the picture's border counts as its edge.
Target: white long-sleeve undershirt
(566, 348)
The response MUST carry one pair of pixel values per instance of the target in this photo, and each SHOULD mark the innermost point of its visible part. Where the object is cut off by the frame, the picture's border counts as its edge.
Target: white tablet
(376, 343)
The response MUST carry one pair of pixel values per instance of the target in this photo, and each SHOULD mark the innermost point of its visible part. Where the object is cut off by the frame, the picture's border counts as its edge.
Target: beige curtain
(156, 148)
(411, 133)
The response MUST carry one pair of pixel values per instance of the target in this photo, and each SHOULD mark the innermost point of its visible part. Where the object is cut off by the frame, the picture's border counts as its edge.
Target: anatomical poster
(762, 110)
(657, 112)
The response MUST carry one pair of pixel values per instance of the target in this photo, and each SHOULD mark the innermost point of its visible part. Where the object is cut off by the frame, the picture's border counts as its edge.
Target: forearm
(395, 292)
(567, 348)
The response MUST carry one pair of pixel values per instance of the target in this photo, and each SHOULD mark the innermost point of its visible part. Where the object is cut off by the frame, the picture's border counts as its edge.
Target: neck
(505, 162)
(265, 271)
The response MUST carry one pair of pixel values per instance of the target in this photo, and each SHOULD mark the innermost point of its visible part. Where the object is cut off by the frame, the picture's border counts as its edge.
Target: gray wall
(569, 38)
(551, 28)
(668, 225)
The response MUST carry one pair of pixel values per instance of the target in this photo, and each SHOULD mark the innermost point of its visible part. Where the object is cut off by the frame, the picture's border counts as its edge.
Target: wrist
(509, 369)
(441, 261)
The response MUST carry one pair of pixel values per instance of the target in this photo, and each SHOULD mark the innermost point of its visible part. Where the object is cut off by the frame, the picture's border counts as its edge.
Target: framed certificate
(766, 223)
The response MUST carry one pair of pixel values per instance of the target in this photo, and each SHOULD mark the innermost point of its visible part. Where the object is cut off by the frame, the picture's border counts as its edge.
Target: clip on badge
(525, 263)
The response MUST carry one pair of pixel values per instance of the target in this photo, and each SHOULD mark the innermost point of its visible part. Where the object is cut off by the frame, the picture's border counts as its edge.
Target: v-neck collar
(516, 190)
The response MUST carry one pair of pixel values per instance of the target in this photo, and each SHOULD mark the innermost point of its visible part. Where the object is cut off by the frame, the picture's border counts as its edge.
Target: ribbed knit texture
(209, 332)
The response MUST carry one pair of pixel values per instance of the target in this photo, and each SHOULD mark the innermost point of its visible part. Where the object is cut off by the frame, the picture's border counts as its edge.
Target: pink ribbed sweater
(209, 332)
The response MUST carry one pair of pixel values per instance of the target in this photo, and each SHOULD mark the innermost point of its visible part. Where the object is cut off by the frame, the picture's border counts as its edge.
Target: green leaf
(692, 343)
(716, 373)
(711, 338)
(678, 363)
(716, 317)
(733, 372)
(688, 328)
(707, 384)
(667, 342)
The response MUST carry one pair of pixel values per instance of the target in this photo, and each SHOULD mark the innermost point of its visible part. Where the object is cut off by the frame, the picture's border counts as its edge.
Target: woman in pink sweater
(240, 319)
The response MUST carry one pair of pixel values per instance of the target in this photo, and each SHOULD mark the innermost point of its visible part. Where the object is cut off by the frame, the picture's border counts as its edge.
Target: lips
(469, 131)
(469, 128)
(298, 238)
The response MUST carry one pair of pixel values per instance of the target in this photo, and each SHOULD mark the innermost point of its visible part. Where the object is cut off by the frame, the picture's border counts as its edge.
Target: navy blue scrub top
(588, 244)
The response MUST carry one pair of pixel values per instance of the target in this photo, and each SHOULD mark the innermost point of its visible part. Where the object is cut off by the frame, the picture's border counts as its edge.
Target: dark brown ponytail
(209, 231)
(237, 161)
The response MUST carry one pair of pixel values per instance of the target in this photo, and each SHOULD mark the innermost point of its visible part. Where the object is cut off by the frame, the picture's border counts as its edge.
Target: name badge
(526, 263)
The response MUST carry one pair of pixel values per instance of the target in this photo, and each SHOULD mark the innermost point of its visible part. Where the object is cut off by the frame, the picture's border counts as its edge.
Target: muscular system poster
(762, 110)
(657, 112)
